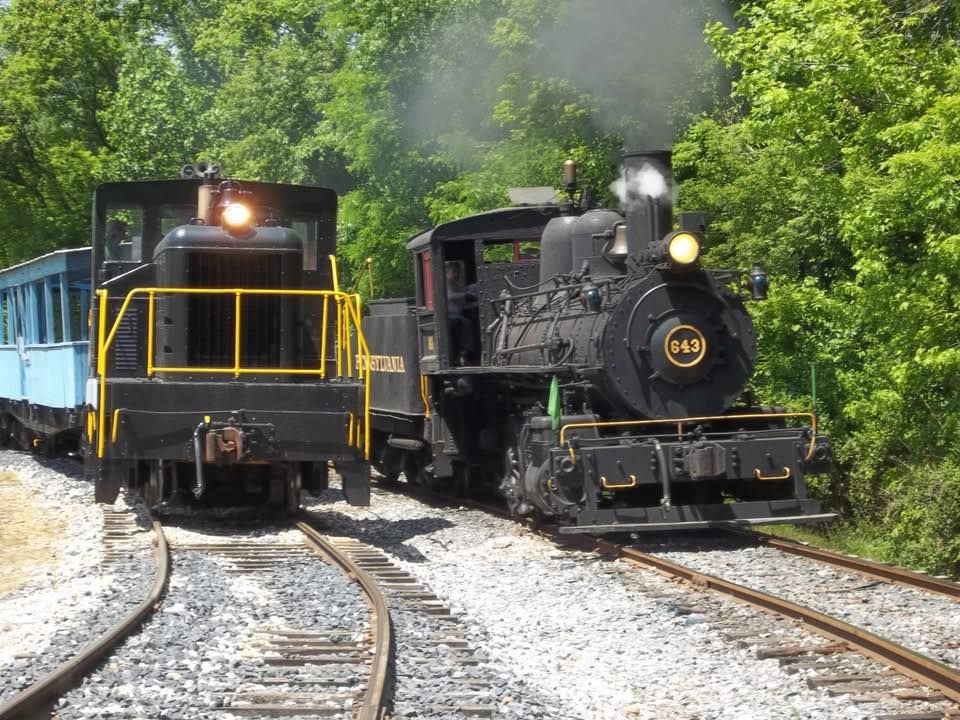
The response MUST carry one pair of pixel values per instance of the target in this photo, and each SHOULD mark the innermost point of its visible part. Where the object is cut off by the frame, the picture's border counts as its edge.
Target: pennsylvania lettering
(384, 363)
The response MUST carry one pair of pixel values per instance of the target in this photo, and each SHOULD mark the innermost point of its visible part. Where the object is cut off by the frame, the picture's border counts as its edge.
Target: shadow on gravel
(689, 541)
(388, 535)
(69, 466)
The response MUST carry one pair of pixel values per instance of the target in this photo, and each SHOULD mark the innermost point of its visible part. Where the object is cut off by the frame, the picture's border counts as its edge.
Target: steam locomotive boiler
(586, 366)
(222, 361)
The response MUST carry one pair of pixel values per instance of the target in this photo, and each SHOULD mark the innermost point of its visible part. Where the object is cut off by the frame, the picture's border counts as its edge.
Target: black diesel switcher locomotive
(222, 365)
(586, 366)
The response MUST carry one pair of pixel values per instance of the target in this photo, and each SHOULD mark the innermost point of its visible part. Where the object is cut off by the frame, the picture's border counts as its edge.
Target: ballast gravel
(47, 620)
(592, 639)
(921, 621)
(205, 643)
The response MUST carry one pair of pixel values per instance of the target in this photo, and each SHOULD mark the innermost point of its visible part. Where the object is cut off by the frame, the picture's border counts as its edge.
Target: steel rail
(880, 571)
(926, 670)
(919, 667)
(375, 698)
(30, 703)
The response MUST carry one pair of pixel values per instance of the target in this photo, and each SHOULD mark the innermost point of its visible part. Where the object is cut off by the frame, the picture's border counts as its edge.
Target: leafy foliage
(835, 162)
(829, 149)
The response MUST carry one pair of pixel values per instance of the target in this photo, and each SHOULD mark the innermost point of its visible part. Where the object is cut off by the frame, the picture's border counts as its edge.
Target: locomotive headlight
(683, 248)
(236, 216)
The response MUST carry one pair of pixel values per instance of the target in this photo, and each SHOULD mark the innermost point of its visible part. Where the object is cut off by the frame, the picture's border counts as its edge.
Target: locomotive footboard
(635, 475)
(242, 422)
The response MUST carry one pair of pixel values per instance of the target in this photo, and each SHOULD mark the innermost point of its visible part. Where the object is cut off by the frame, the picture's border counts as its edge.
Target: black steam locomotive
(583, 364)
(221, 349)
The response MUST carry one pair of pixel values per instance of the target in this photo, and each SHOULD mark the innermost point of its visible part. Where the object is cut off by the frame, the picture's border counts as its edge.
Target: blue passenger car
(44, 305)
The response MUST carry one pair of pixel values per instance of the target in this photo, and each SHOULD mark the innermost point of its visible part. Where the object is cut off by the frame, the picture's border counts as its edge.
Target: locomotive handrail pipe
(348, 320)
(600, 282)
(680, 422)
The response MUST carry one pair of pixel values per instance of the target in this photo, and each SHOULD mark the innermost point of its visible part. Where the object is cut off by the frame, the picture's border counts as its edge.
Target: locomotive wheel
(284, 487)
(390, 464)
(294, 486)
(413, 469)
(511, 483)
(152, 488)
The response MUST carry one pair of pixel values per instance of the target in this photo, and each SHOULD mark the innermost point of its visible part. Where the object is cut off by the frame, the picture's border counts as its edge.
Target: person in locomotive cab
(459, 300)
(116, 240)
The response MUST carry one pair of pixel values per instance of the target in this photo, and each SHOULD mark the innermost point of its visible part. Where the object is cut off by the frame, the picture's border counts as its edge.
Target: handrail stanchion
(236, 335)
(150, 330)
(103, 296)
(323, 338)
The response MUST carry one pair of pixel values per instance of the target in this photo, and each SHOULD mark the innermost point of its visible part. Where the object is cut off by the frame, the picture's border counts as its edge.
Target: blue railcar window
(57, 335)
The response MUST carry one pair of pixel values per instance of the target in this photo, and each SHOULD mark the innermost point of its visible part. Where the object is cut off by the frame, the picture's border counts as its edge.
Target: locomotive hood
(194, 237)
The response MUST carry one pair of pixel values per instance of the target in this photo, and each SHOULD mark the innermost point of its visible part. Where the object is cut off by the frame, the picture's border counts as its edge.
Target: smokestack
(647, 197)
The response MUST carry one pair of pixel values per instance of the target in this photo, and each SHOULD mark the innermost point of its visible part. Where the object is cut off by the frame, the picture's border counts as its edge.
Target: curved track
(43, 693)
(41, 696)
(921, 668)
(916, 666)
(375, 699)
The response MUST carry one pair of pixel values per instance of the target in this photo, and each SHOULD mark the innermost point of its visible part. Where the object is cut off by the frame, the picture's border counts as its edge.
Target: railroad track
(861, 566)
(32, 701)
(927, 679)
(842, 636)
(292, 669)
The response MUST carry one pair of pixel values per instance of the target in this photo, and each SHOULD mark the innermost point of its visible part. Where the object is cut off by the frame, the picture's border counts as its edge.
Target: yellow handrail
(364, 351)
(348, 321)
(102, 296)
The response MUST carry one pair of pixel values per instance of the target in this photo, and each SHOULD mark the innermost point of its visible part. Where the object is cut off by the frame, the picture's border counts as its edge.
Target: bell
(619, 248)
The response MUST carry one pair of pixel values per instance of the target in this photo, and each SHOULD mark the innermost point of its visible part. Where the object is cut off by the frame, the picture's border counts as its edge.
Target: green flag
(553, 404)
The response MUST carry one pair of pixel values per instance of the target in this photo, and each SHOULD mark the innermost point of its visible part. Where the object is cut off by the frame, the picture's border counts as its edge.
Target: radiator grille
(212, 320)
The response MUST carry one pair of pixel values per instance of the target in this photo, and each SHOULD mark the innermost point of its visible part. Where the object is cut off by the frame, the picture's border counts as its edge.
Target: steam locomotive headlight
(236, 216)
(683, 248)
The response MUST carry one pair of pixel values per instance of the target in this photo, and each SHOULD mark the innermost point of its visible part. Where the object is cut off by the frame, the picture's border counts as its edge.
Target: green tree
(835, 163)
(58, 73)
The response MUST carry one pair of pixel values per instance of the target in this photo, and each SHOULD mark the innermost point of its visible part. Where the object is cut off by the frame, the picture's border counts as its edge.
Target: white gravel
(43, 622)
(601, 640)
